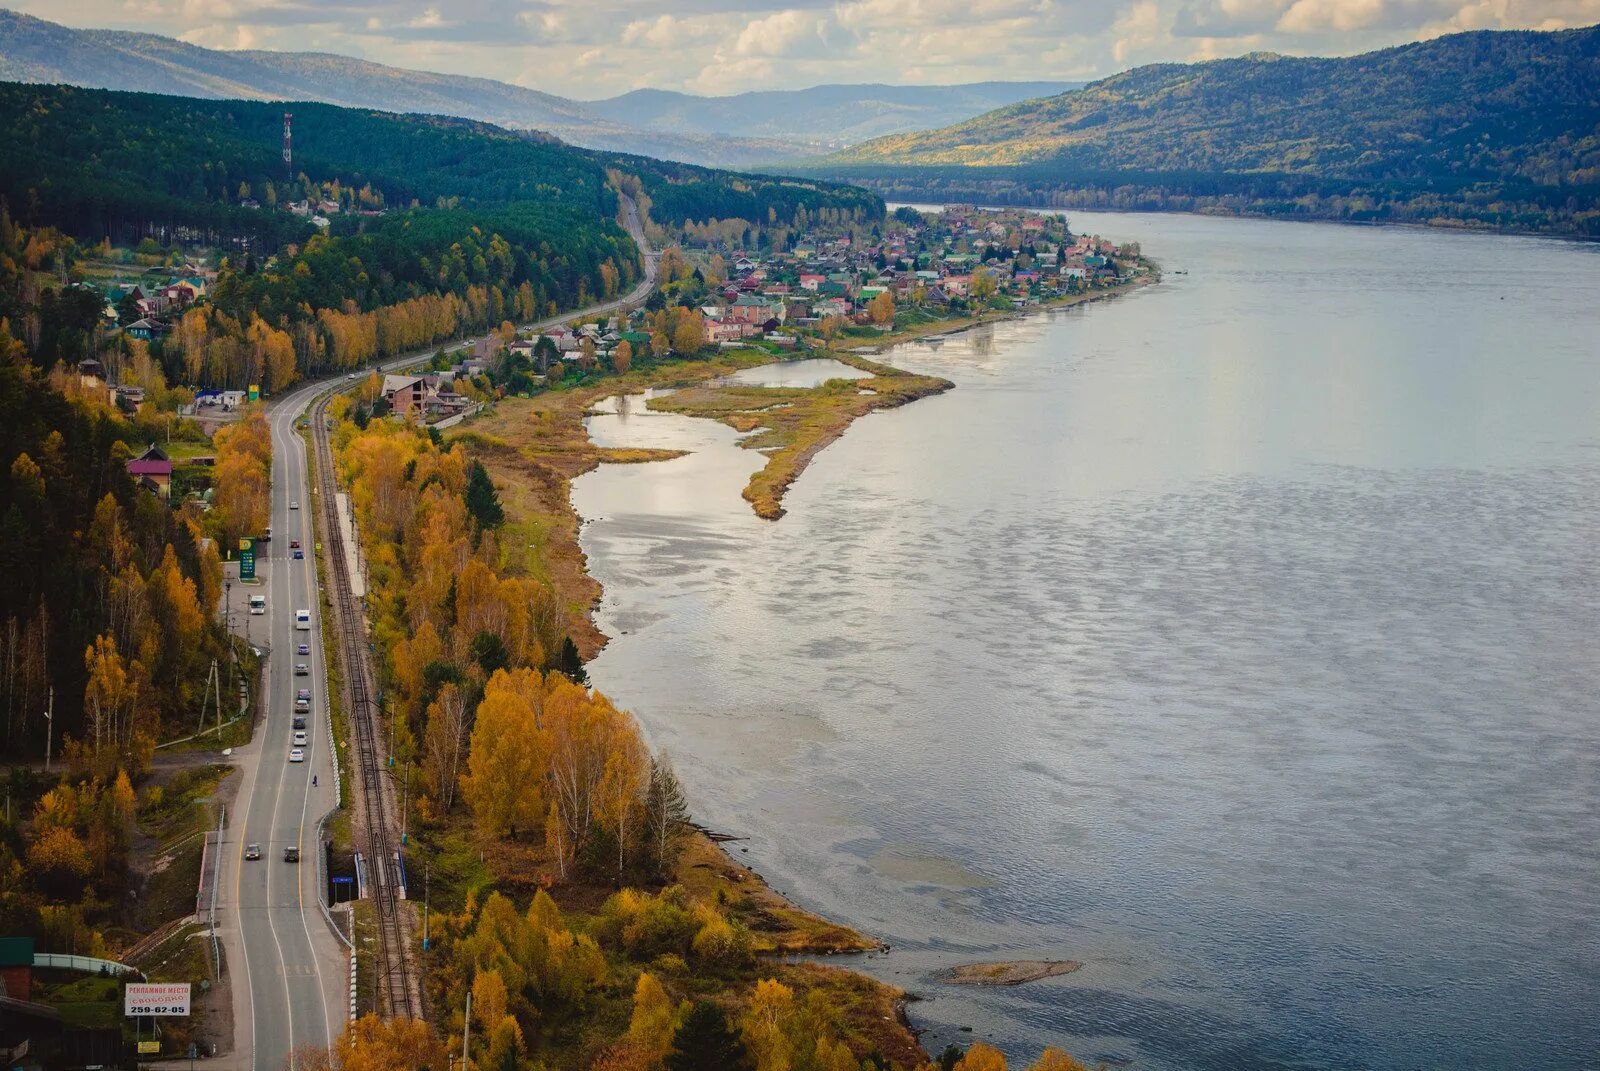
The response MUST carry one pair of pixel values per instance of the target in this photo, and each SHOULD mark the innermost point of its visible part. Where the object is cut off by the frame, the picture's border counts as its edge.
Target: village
(914, 273)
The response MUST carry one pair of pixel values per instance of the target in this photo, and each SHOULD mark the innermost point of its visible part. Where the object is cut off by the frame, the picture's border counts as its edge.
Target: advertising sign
(149, 1048)
(156, 998)
(247, 558)
(255, 392)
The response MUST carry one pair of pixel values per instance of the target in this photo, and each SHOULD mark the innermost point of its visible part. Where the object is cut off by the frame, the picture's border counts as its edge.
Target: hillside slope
(1497, 127)
(714, 131)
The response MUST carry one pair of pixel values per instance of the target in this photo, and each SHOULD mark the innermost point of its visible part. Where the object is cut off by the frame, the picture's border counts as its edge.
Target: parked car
(303, 649)
(252, 851)
(297, 754)
(302, 670)
(291, 854)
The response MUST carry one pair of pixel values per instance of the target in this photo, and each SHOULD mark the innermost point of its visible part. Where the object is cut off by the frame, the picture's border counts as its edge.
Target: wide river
(1238, 637)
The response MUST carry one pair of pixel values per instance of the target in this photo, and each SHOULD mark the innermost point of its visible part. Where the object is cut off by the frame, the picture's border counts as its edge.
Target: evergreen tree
(571, 664)
(705, 1042)
(483, 502)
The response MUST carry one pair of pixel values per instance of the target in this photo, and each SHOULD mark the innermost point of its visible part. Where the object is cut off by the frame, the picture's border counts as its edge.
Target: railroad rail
(398, 994)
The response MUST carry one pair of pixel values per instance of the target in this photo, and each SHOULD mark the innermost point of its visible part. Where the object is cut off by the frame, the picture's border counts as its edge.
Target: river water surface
(1238, 637)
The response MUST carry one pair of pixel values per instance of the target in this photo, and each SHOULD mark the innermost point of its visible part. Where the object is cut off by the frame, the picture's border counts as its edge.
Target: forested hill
(434, 226)
(1495, 127)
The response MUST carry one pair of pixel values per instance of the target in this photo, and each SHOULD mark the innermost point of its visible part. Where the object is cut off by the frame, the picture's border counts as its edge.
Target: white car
(294, 505)
(297, 755)
(300, 738)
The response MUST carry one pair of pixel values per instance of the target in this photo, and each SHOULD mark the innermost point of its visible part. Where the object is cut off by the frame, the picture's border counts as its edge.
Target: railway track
(398, 993)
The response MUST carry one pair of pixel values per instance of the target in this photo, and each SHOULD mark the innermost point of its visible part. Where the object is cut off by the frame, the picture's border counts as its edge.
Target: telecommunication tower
(288, 143)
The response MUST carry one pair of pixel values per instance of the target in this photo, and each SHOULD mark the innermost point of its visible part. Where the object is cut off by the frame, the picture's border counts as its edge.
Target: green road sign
(247, 558)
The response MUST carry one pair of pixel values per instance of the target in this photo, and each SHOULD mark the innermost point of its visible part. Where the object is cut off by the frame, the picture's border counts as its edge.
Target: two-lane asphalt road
(288, 970)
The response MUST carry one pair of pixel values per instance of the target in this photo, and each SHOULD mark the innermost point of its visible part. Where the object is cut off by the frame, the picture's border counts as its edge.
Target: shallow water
(809, 372)
(1237, 637)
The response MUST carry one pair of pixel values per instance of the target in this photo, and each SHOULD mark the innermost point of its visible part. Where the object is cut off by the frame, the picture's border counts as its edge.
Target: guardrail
(62, 961)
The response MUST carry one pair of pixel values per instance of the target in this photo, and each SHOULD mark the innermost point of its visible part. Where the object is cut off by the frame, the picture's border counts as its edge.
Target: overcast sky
(596, 48)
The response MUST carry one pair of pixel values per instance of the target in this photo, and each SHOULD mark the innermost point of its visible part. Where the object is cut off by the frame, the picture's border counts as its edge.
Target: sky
(597, 48)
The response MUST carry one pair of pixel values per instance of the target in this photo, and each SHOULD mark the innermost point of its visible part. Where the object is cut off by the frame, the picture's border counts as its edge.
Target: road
(288, 970)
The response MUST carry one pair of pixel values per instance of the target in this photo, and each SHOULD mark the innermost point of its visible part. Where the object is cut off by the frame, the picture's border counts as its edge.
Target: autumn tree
(508, 756)
(984, 285)
(374, 1044)
(982, 1057)
(881, 308)
(446, 741)
(622, 357)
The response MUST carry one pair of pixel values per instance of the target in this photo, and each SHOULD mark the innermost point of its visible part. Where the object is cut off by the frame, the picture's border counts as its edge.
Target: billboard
(156, 998)
(247, 558)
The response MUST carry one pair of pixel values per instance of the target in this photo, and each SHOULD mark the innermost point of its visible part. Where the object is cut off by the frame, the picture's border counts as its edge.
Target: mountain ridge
(39, 51)
(1497, 128)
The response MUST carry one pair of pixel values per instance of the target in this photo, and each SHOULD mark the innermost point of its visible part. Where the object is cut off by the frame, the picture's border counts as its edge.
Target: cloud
(592, 48)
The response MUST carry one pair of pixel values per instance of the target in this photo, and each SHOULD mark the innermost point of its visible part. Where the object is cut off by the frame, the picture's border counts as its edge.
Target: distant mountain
(716, 131)
(829, 115)
(1489, 127)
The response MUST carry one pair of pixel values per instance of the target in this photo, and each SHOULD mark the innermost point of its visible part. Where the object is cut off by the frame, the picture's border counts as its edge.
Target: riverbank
(965, 323)
(533, 449)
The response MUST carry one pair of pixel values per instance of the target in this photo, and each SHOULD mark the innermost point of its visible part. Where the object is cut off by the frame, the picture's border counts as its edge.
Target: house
(179, 295)
(91, 373)
(749, 309)
(404, 393)
(811, 282)
(146, 329)
(730, 331)
(418, 398)
(128, 399)
(152, 470)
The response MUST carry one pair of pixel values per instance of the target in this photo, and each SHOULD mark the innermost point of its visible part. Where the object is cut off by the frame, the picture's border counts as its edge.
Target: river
(1238, 637)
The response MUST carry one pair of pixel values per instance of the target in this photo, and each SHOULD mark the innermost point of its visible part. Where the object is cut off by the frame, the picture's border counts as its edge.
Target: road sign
(149, 1048)
(247, 558)
(156, 998)
(342, 879)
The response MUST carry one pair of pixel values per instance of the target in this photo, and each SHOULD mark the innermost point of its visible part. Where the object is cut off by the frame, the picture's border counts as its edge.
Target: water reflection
(1236, 638)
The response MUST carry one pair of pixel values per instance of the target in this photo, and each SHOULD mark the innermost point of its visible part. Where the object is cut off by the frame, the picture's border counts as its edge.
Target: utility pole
(466, 1031)
(50, 727)
(427, 884)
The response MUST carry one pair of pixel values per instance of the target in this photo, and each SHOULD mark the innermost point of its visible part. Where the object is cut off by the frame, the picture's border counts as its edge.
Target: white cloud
(591, 48)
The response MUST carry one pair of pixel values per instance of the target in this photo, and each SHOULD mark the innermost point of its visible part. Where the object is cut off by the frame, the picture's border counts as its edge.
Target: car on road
(297, 754)
(295, 504)
(258, 605)
(303, 694)
(301, 669)
(294, 544)
(300, 738)
(303, 649)
(299, 555)
(252, 851)
(291, 854)
(302, 620)
(299, 721)
(302, 706)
